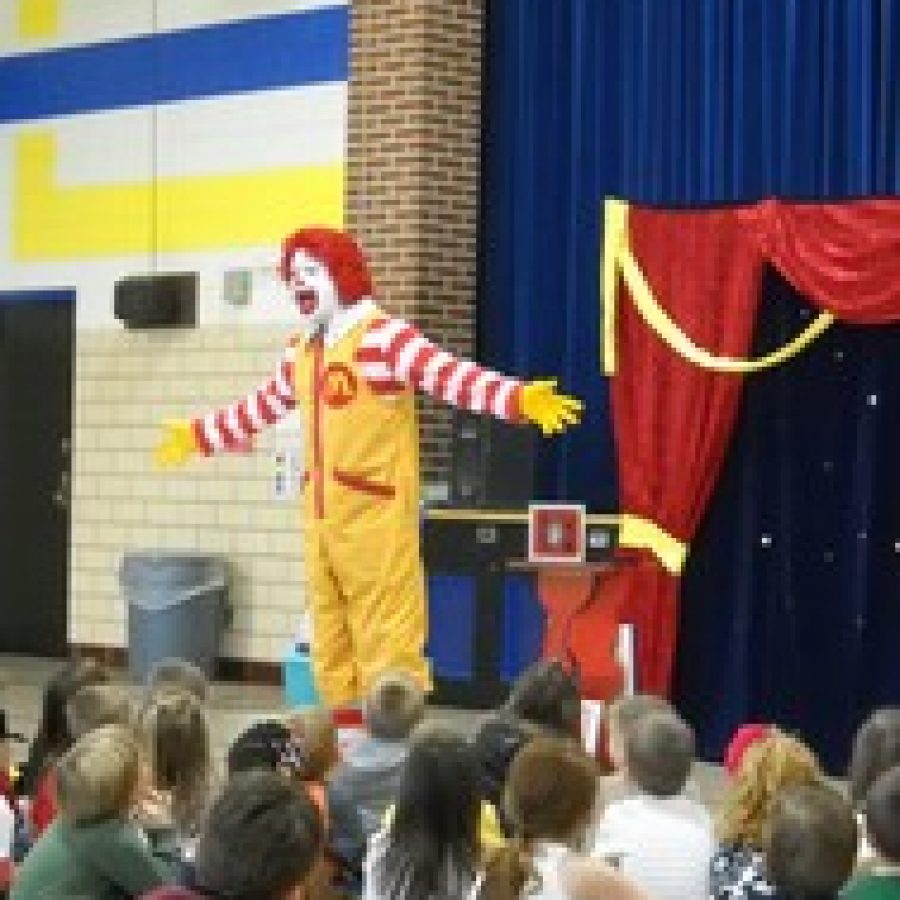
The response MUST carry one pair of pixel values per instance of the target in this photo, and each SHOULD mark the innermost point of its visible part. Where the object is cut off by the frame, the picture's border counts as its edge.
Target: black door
(36, 352)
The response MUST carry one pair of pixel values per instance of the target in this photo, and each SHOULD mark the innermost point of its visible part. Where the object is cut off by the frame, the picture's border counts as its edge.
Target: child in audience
(53, 739)
(664, 837)
(544, 700)
(880, 879)
(313, 754)
(263, 745)
(623, 713)
(811, 843)
(875, 750)
(94, 705)
(179, 673)
(93, 849)
(549, 801)
(262, 840)
(10, 810)
(271, 746)
(767, 768)
(429, 848)
(314, 743)
(174, 732)
(369, 774)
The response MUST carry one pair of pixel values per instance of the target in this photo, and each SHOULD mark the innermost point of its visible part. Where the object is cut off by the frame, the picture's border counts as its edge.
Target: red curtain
(672, 419)
(844, 257)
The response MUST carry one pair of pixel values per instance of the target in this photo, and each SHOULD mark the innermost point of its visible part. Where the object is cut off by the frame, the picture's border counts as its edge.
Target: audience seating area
(155, 791)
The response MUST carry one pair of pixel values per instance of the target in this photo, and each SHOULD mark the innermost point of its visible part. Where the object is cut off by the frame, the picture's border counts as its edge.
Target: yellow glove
(551, 412)
(178, 444)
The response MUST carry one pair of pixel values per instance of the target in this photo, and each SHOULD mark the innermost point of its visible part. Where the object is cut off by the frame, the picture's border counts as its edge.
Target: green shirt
(89, 862)
(869, 886)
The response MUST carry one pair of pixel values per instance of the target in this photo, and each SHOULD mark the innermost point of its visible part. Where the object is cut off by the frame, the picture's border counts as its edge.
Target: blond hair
(315, 740)
(97, 778)
(768, 767)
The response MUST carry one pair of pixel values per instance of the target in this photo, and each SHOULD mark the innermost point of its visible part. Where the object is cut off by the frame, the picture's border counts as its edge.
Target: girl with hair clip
(550, 796)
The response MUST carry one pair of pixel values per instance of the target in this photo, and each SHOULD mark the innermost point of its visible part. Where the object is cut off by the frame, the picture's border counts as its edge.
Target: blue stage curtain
(790, 606)
(694, 103)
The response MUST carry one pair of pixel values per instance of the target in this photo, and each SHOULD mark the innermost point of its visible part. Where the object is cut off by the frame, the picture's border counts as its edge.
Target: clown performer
(353, 371)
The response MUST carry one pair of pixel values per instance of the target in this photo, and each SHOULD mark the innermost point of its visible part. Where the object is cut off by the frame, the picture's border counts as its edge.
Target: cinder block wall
(127, 384)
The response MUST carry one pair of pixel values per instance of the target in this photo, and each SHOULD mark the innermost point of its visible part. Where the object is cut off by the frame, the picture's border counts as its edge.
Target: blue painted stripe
(31, 295)
(251, 55)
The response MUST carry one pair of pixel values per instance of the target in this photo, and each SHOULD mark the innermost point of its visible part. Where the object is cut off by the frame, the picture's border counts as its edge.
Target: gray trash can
(177, 607)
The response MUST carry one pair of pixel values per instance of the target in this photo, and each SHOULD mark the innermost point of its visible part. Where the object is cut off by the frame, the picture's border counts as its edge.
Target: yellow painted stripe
(199, 212)
(38, 18)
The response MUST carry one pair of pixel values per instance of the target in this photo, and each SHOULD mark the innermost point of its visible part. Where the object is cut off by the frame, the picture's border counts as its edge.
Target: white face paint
(313, 289)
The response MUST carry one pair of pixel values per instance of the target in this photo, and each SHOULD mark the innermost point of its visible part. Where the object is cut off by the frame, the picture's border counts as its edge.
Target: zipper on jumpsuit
(319, 472)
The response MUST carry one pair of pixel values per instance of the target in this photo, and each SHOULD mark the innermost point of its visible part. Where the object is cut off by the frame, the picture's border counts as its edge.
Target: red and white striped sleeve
(394, 353)
(231, 427)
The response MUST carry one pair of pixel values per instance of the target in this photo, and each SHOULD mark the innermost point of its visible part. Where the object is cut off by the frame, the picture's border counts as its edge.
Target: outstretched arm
(394, 353)
(232, 426)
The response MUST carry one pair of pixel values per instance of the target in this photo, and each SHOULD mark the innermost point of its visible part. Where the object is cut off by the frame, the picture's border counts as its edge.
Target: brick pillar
(413, 168)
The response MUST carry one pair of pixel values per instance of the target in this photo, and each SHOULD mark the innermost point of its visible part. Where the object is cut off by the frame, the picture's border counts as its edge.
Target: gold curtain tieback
(638, 532)
(619, 258)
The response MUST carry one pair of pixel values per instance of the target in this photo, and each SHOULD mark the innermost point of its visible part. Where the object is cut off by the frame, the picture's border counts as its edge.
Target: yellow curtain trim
(669, 332)
(644, 534)
(615, 239)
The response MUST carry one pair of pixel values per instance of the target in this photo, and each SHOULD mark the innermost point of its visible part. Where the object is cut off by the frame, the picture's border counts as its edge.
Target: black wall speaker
(492, 463)
(156, 301)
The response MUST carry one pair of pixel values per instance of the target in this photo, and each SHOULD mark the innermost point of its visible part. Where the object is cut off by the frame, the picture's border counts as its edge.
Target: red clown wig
(339, 253)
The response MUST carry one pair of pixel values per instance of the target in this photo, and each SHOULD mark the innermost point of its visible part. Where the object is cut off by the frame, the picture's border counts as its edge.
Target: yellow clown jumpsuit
(361, 502)
(361, 497)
